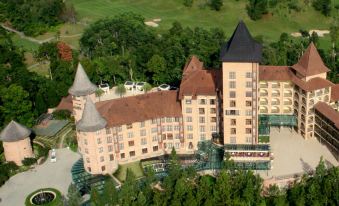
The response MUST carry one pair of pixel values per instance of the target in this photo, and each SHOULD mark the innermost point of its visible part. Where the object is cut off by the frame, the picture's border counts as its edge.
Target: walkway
(56, 175)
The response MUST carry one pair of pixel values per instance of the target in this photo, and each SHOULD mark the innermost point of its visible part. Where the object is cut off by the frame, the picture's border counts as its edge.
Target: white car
(129, 85)
(140, 86)
(53, 156)
(164, 87)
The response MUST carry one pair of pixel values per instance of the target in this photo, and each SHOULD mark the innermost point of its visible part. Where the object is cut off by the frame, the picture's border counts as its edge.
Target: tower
(93, 141)
(81, 88)
(16, 142)
(240, 58)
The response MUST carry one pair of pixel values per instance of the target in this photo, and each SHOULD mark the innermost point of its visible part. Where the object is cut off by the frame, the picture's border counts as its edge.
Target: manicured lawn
(134, 166)
(169, 11)
(24, 43)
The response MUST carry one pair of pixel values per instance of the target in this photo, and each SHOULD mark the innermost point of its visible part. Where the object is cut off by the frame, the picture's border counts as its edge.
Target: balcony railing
(275, 94)
(287, 94)
(263, 94)
(275, 103)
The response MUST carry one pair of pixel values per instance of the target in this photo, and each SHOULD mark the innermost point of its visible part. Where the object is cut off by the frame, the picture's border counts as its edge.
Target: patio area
(111, 93)
(293, 154)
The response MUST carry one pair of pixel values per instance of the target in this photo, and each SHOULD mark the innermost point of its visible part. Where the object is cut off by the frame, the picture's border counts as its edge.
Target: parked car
(173, 88)
(129, 85)
(140, 86)
(53, 156)
(164, 87)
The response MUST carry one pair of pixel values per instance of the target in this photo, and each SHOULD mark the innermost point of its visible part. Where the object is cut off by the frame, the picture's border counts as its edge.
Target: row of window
(248, 84)
(234, 104)
(247, 122)
(232, 75)
(201, 110)
(233, 140)
(201, 101)
(201, 119)
(233, 94)
(247, 130)
(234, 112)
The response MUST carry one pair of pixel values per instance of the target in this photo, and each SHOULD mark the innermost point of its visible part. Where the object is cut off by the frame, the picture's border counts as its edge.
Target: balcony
(263, 110)
(275, 101)
(263, 85)
(287, 102)
(275, 110)
(303, 110)
(288, 85)
(311, 95)
(275, 85)
(263, 101)
(311, 103)
(288, 94)
(275, 93)
(287, 110)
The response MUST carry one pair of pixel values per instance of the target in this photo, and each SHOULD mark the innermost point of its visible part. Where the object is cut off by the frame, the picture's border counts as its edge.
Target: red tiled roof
(328, 112)
(310, 63)
(140, 108)
(274, 73)
(312, 84)
(198, 81)
(65, 104)
(335, 93)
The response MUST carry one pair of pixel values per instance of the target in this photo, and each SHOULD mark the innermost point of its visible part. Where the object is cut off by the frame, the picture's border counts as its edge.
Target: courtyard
(55, 175)
(293, 154)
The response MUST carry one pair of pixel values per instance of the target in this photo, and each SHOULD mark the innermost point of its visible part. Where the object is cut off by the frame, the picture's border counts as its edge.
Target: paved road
(56, 175)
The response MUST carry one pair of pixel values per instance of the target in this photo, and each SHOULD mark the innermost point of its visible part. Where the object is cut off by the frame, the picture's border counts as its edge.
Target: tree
(188, 3)
(95, 197)
(157, 65)
(216, 4)
(99, 93)
(73, 196)
(324, 6)
(120, 89)
(28, 161)
(256, 8)
(16, 105)
(147, 87)
(109, 193)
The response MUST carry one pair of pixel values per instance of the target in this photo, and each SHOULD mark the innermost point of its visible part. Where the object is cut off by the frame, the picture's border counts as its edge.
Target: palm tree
(99, 93)
(120, 89)
(147, 87)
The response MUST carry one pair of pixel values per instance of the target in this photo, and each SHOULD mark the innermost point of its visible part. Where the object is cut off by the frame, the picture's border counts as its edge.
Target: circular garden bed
(45, 197)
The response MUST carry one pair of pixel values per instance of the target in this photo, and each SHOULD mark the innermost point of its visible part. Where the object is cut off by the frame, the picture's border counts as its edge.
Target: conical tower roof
(91, 120)
(82, 86)
(310, 63)
(241, 47)
(14, 132)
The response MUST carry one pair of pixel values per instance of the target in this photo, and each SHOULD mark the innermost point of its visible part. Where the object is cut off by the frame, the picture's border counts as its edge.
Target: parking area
(293, 154)
(56, 175)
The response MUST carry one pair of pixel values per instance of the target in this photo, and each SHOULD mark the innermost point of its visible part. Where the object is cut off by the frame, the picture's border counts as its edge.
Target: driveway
(293, 154)
(56, 175)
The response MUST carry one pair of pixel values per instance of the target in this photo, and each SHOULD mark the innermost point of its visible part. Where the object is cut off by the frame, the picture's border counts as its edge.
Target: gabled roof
(328, 112)
(199, 81)
(335, 93)
(310, 63)
(241, 47)
(65, 104)
(91, 119)
(82, 86)
(139, 108)
(14, 132)
(274, 73)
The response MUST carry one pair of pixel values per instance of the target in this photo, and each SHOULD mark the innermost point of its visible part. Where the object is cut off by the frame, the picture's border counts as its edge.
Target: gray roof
(241, 47)
(91, 120)
(82, 86)
(14, 132)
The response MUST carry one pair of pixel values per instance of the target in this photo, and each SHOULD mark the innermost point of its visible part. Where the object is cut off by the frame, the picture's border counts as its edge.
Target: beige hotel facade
(226, 103)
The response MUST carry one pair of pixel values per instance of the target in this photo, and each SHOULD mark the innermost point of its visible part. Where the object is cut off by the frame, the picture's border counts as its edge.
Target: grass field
(134, 166)
(173, 10)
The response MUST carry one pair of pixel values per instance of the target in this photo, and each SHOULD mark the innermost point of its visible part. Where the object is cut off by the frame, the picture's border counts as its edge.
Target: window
(155, 148)
(248, 131)
(154, 130)
(121, 146)
(170, 136)
(130, 135)
(169, 128)
(248, 122)
(202, 101)
(248, 112)
(176, 128)
(143, 132)
(233, 121)
(201, 111)
(213, 111)
(110, 148)
(177, 119)
(233, 140)
(188, 110)
(86, 150)
(188, 101)
(248, 75)
(202, 128)
(189, 128)
(154, 138)
(144, 151)
(232, 103)
(213, 119)
(168, 119)
(102, 159)
(248, 139)
(188, 119)
(143, 141)
(89, 169)
(212, 101)
(163, 128)
(122, 155)
(85, 141)
(108, 131)
(119, 129)
(103, 168)
(87, 160)
(120, 137)
(177, 136)
(201, 119)
(233, 131)
(99, 141)
(248, 94)
(129, 126)
(131, 143)
(109, 139)
(213, 128)
(248, 103)
(232, 94)
(202, 137)
(98, 132)
(232, 84)
(189, 136)
(177, 145)
(248, 84)
(132, 153)
(111, 157)
(154, 121)
(232, 112)
(231, 75)
(142, 124)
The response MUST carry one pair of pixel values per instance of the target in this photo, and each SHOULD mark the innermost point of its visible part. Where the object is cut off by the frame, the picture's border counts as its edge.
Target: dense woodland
(229, 187)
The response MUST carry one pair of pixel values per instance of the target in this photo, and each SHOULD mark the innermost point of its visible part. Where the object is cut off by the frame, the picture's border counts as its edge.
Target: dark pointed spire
(241, 47)
(82, 86)
(14, 132)
(91, 120)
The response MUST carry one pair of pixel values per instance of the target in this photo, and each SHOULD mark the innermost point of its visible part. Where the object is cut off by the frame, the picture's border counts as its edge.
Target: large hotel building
(236, 104)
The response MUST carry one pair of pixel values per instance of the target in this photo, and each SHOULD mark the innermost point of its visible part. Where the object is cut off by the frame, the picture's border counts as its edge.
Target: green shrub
(29, 161)
(56, 202)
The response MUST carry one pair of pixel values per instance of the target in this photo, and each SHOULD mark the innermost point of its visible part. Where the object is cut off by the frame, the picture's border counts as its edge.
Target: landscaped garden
(44, 197)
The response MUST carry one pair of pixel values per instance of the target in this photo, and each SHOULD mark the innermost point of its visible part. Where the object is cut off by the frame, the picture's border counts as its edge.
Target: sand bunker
(320, 33)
